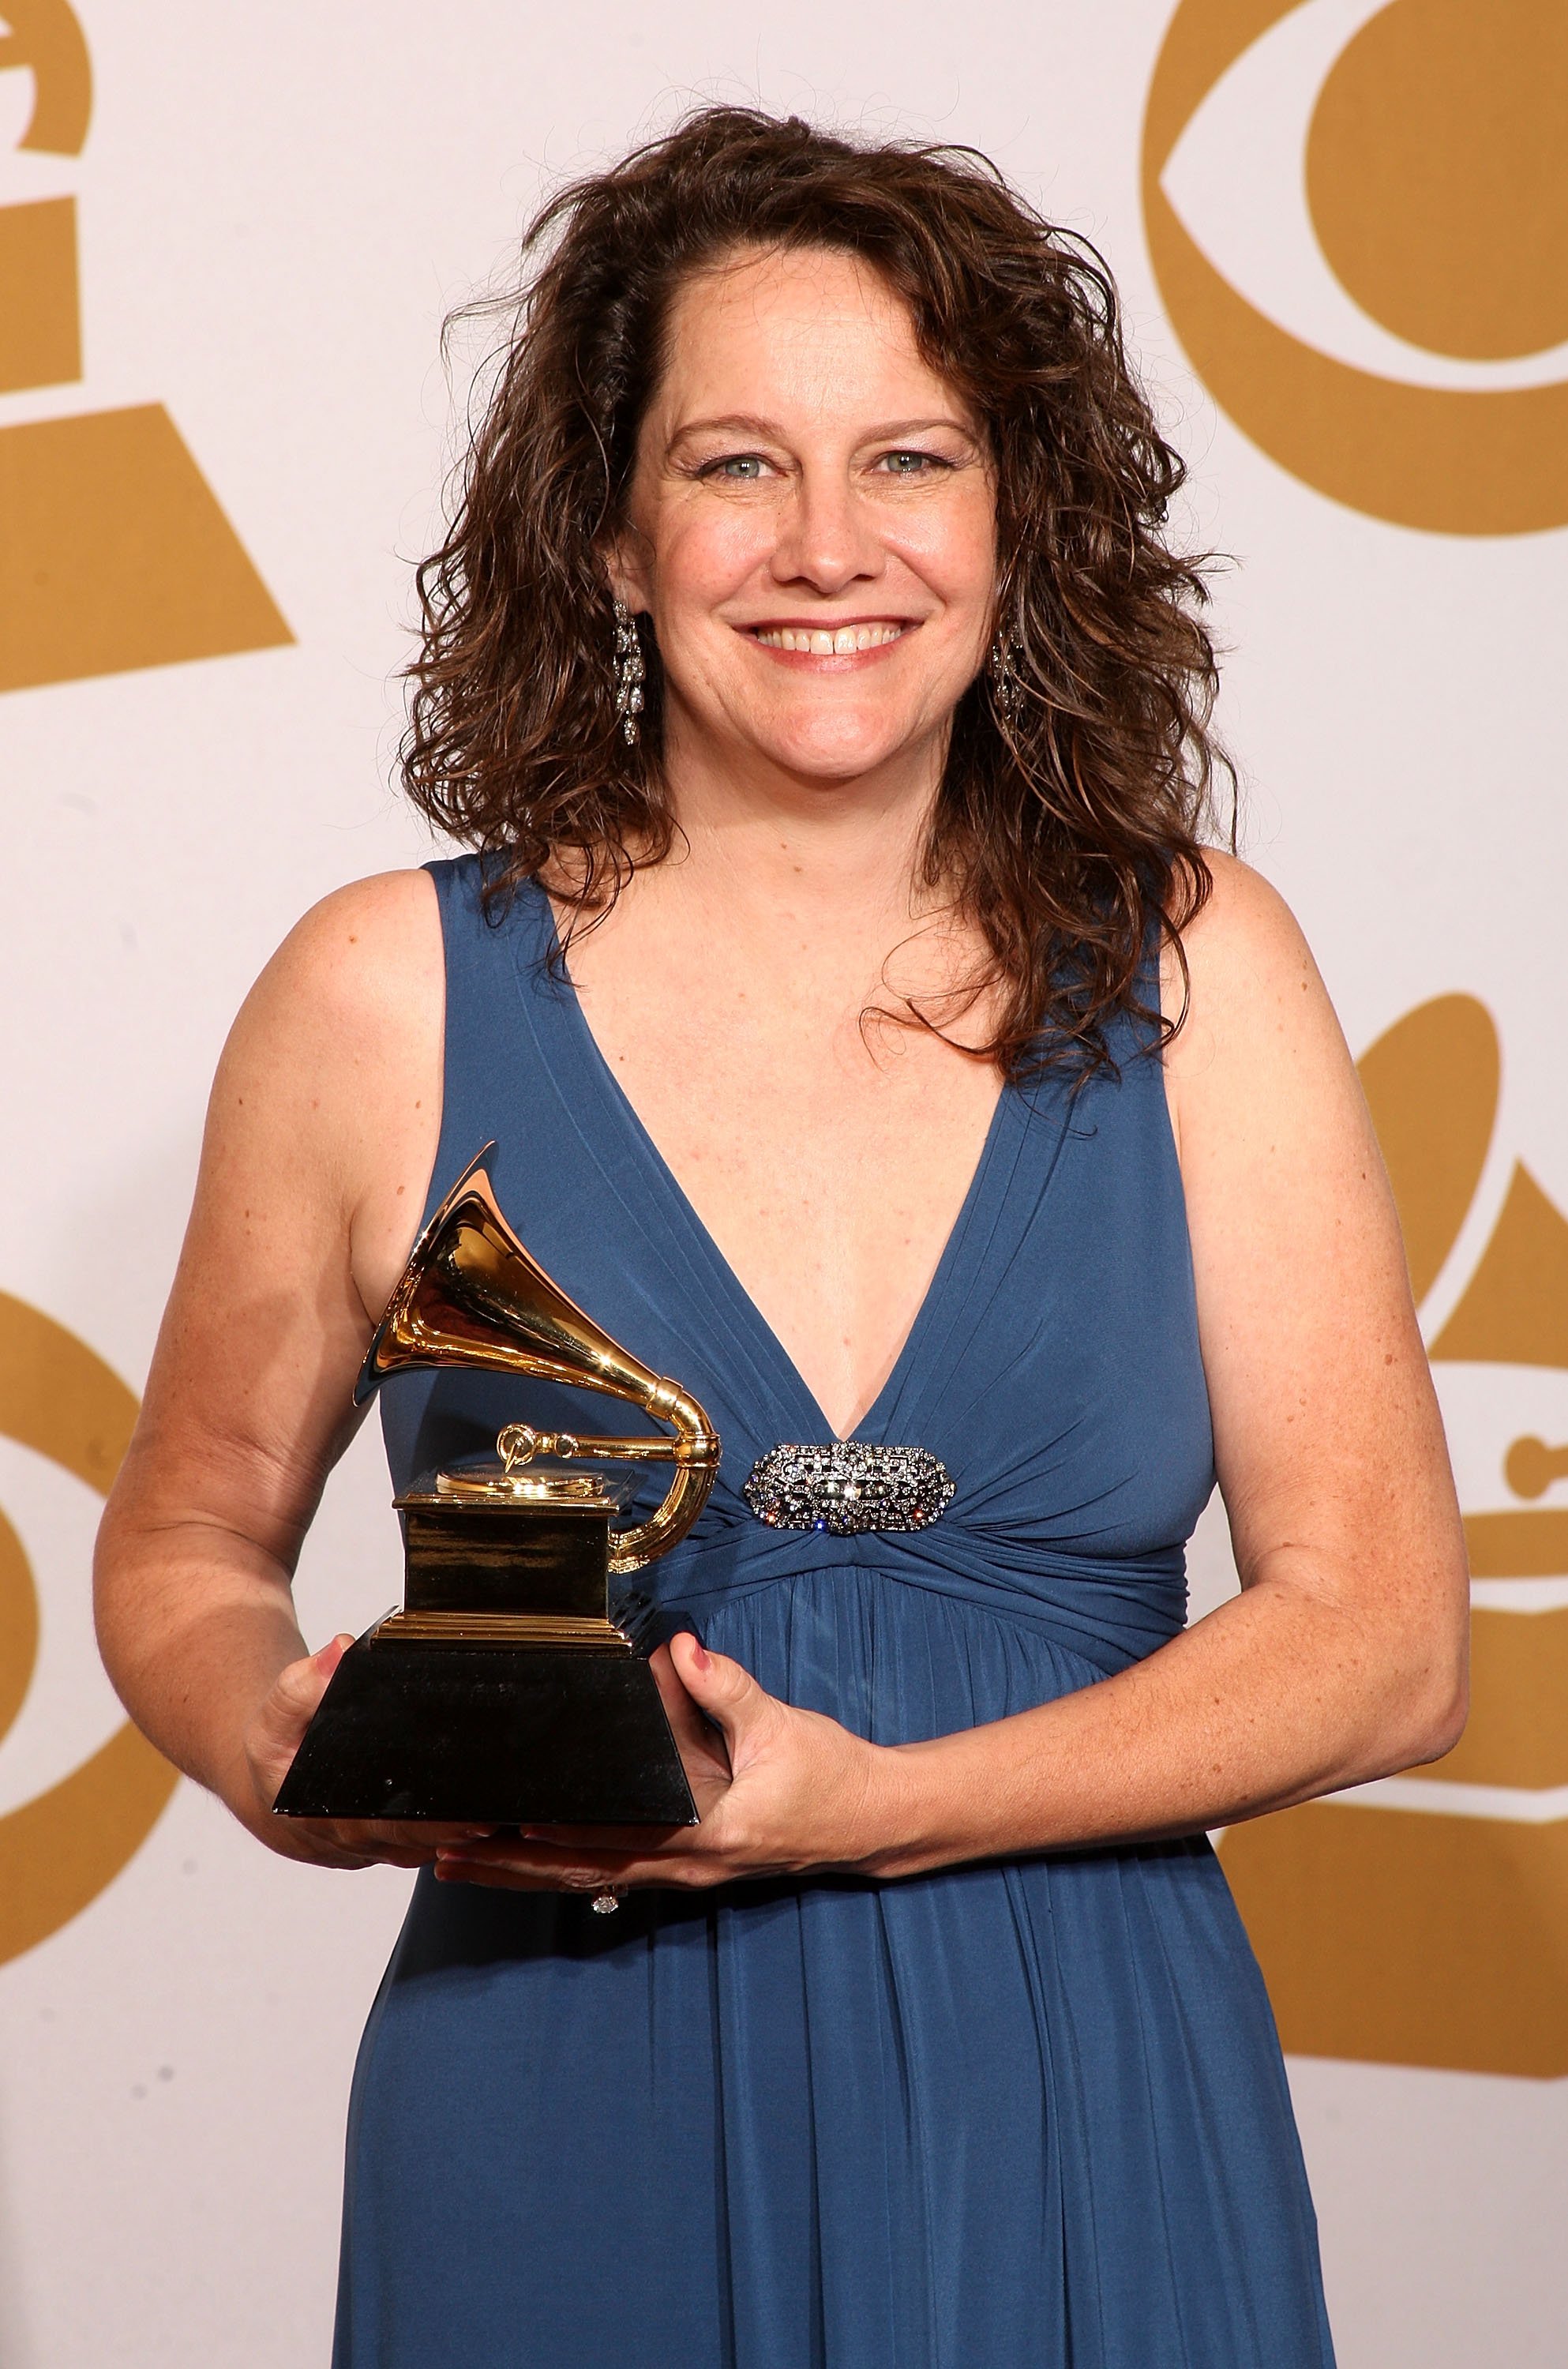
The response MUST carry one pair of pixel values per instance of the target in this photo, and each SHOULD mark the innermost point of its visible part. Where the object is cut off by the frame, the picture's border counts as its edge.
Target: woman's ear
(624, 564)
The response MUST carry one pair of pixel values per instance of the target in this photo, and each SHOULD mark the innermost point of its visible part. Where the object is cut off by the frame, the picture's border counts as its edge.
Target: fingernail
(700, 1653)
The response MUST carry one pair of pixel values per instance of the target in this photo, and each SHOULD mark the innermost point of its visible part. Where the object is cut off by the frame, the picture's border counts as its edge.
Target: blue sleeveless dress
(1024, 2115)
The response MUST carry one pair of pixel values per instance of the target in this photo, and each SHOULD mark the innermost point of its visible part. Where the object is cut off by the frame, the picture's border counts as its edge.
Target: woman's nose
(825, 538)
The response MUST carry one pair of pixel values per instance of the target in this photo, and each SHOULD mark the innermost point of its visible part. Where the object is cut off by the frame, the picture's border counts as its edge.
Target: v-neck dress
(1027, 2115)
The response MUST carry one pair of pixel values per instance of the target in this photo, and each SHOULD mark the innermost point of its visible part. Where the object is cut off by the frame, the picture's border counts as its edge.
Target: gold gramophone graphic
(61, 1847)
(510, 1688)
(113, 551)
(1427, 1922)
(1428, 104)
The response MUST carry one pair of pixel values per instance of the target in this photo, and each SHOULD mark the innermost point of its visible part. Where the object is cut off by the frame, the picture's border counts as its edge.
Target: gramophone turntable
(512, 1686)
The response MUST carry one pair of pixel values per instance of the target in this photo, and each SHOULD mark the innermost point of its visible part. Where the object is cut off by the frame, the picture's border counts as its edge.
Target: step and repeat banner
(227, 242)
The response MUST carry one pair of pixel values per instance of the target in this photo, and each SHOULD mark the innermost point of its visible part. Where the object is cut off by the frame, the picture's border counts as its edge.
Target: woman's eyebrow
(768, 432)
(742, 423)
(888, 429)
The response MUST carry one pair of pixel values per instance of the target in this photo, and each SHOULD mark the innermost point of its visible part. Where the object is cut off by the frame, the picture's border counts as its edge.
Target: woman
(870, 1042)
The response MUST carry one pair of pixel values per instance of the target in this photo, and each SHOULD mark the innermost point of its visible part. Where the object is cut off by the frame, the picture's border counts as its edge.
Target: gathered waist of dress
(1110, 1611)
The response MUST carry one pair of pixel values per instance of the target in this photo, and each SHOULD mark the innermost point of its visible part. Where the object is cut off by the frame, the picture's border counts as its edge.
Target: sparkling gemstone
(851, 1486)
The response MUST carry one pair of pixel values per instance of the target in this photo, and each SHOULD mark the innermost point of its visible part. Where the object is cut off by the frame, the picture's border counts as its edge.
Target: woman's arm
(1344, 1655)
(320, 1138)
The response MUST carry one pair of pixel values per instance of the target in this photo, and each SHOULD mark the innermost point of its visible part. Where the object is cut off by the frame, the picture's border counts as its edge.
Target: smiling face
(811, 526)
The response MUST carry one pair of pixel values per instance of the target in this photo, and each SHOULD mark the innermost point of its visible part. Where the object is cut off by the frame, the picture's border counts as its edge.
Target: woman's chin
(836, 757)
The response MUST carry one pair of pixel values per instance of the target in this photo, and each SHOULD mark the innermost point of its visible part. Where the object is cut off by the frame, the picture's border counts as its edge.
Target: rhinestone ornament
(1006, 690)
(853, 1486)
(629, 673)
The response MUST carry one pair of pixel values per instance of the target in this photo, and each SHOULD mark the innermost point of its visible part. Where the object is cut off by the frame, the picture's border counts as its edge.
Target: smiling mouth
(828, 641)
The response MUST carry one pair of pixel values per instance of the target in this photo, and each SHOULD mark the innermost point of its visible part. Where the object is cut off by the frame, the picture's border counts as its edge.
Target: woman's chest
(826, 1155)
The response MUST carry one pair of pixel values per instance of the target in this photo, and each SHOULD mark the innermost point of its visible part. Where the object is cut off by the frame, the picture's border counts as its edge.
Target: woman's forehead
(810, 323)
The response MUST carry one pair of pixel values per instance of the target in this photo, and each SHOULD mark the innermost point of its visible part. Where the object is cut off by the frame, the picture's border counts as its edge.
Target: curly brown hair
(1076, 796)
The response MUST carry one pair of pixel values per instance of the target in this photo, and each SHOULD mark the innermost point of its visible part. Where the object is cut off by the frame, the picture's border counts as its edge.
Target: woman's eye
(739, 468)
(909, 465)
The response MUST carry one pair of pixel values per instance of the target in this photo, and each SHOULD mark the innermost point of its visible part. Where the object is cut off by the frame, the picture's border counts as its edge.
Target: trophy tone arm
(693, 1450)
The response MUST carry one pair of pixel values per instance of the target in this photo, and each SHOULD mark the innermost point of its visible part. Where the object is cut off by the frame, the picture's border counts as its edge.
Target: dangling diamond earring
(1006, 691)
(627, 674)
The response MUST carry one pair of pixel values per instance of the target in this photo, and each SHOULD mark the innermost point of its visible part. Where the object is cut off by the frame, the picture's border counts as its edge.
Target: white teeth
(842, 641)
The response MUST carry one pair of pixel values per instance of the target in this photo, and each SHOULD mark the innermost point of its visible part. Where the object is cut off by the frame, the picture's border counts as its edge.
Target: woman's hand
(270, 1743)
(778, 1791)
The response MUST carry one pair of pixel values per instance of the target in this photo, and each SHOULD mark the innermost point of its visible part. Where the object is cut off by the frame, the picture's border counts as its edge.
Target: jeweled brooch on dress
(853, 1485)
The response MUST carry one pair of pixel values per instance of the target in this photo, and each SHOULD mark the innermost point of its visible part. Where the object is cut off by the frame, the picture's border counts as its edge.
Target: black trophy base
(502, 1735)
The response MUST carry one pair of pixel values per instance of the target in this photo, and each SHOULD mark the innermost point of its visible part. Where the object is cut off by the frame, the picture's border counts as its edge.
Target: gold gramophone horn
(471, 1295)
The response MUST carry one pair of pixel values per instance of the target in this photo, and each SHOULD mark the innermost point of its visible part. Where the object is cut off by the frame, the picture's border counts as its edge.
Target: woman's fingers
(273, 1740)
(594, 1842)
(720, 1687)
(693, 1732)
(490, 1878)
(420, 1835)
(564, 1870)
(370, 1842)
(288, 1711)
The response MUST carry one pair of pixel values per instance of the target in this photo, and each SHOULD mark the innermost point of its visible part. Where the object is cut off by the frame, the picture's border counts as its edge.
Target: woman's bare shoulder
(1251, 998)
(360, 974)
(333, 1065)
(1244, 935)
(364, 951)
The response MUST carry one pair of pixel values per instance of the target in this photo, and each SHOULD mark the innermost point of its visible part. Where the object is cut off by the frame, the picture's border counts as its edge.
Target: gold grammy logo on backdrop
(113, 551)
(58, 1851)
(1435, 171)
(1436, 1932)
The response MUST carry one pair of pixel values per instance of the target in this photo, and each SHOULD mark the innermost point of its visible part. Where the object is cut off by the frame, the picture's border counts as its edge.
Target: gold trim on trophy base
(559, 1632)
(493, 1487)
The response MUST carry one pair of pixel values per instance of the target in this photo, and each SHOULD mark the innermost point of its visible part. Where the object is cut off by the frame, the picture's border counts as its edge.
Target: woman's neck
(848, 852)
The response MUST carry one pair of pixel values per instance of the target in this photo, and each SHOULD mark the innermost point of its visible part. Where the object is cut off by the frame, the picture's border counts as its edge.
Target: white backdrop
(276, 207)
